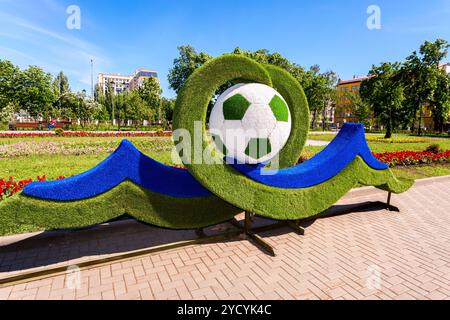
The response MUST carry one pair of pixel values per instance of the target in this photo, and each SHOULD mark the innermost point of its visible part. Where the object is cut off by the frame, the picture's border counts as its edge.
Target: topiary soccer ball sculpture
(250, 123)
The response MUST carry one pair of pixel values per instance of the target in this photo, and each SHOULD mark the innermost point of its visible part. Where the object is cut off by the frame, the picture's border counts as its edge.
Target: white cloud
(30, 41)
(15, 52)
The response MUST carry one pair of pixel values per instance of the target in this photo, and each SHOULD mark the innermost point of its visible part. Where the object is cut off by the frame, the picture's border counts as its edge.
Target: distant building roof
(356, 79)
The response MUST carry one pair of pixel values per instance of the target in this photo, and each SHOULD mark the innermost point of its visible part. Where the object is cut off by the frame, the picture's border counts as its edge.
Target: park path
(362, 255)
(316, 143)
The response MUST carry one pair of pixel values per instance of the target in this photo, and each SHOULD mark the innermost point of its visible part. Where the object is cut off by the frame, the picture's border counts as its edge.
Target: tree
(420, 74)
(183, 66)
(383, 91)
(440, 102)
(320, 90)
(150, 92)
(130, 106)
(318, 87)
(359, 107)
(9, 83)
(35, 92)
(109, 101)
(138, 108)
(264, 56)
(7, 112)
(61, 84)
(64, 97)
(167, 107)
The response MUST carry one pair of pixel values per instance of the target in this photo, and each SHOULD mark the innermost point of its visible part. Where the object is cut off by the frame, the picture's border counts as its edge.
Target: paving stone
(362, 255)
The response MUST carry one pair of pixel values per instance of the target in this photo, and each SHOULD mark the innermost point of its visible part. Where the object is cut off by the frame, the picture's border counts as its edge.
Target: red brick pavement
(362, 255)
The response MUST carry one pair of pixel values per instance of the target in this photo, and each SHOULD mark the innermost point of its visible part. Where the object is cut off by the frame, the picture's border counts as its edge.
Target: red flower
(412, 157)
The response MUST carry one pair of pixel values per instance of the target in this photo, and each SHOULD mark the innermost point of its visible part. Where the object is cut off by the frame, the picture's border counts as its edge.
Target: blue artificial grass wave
(125, 163)
(343, 149)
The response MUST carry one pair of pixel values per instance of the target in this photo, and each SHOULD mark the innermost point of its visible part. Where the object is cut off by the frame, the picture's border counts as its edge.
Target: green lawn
(55, 156)
(400, 142)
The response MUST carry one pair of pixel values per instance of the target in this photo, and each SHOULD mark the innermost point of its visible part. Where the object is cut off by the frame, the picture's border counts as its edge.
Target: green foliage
(167, 106)
(183, 66)
(235, 107)
(65, 156)
(244, 192)
(9, 82)
(24, 214)
(150, 93)
(61, 84)
(279, 109)
(318, 87)
(384, 92)
(360, 108)
(435, 148)
(440, 102)
(59, 131)
(422, 81)
(129, 105)
(6, 113)
(30, 90)
(291, 90)
(237, 189)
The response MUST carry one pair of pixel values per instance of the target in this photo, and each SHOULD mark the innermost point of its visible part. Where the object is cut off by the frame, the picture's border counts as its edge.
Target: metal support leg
(257, 240)
(389, 206)
(295, 225)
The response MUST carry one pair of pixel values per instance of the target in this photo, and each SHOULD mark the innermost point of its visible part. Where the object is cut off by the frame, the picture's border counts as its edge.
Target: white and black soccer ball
(250, 123)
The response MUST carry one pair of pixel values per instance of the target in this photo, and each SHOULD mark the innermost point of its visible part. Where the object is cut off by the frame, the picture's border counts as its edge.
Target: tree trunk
(388, 134)
(313, 123)
(419, 129)
(324, 118)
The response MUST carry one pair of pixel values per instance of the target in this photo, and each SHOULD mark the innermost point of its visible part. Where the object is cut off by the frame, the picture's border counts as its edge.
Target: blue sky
(124, 35)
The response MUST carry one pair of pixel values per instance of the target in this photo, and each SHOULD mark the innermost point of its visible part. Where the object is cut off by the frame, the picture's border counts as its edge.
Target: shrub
(59, 132)
(433, 148)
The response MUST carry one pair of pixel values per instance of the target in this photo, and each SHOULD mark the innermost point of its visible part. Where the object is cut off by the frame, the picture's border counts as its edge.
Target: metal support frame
(388, 204)
(256, 239)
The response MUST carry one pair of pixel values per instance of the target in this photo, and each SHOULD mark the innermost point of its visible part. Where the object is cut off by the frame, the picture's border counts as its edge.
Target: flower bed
(406, 158)
(11, 186)
(21, 134)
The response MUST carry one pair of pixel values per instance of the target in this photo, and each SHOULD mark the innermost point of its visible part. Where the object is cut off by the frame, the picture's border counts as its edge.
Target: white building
(446, 67)
(117, 82)
(120, 83)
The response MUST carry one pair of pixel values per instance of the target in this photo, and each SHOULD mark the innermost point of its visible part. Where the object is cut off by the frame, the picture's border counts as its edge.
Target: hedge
(235, 188)
(25, 214)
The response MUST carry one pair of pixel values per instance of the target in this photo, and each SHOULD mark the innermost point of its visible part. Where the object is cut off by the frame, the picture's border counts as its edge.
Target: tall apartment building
(120, 83)
(140, 75)
(117, 82)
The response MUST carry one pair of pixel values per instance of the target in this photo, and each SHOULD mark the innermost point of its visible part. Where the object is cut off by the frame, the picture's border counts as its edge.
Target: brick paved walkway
(362, 255)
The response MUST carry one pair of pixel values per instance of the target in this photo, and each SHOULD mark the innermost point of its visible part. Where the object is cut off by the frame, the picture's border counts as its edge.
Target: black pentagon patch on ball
(234, 108)
(258, 148)
(279, 109)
